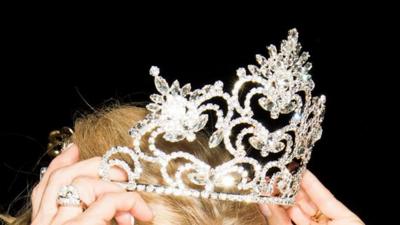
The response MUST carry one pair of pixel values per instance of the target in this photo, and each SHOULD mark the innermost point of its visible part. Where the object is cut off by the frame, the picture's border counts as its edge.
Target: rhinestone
(216, 138)
(161, 85)
(154, 71)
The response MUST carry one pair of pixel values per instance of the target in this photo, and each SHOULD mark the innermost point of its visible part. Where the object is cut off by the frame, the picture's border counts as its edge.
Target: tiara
(266, 162)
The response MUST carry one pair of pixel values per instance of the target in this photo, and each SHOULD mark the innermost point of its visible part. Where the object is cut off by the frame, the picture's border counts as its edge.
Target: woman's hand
(104, 200)
(315, 205)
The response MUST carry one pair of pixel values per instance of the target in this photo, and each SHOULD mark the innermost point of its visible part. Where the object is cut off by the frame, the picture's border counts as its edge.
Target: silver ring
(42, 172)
(68, 195)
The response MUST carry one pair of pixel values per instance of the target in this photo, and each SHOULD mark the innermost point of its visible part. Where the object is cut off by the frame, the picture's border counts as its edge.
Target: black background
(54, 66)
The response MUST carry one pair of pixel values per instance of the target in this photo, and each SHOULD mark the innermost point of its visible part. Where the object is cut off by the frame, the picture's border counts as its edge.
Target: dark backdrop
(56, 69)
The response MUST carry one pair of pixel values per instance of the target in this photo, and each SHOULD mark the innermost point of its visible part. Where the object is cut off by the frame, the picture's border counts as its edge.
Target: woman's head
(96, 133)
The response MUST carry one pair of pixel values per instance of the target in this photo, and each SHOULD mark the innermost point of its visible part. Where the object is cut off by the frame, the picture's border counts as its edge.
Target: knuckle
(45, 213)
(34, 192)
(96, 158)
(134, 195)
(35, 189)
(81, 181)
(108, 198)
(51, 212)
(72, 222)
(35, 222)
(58, 161)
(85, 188)
(57, 175)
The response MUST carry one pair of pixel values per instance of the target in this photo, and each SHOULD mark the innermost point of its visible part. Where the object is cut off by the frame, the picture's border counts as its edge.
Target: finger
(298, 216)
(68, 156)
(323, 198)
(89, 190)
(124, 218)
(106, 207)
(64, 176)
(305, 203)
(276, 215)
(66, 213)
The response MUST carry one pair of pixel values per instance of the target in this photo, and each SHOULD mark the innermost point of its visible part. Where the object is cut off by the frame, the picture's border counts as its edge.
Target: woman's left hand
(101, 201)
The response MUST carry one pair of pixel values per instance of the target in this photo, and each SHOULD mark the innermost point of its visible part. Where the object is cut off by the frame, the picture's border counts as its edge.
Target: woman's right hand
(314, 205)
(104, 200)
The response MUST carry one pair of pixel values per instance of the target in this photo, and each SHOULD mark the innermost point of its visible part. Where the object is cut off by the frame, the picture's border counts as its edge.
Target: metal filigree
(281, 85)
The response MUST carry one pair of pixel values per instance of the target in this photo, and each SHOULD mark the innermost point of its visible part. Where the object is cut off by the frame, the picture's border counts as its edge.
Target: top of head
(266, 164)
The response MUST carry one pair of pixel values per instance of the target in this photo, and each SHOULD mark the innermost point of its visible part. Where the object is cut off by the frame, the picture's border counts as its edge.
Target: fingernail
(69, 146)
(42, 171)
(266, 210)
(132, 220)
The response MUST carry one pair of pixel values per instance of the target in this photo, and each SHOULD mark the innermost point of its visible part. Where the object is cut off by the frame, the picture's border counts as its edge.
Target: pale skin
(104, 200)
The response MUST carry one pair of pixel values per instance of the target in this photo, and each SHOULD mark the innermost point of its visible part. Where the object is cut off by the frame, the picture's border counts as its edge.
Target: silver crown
(280, 84)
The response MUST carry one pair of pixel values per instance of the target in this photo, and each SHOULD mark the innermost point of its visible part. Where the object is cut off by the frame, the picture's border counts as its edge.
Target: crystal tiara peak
(280, 84)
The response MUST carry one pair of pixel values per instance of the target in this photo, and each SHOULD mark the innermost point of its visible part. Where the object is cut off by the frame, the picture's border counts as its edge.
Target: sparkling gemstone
(201, 123)
(283, 83)
(322, 99)
(317, 134)
(256, 142)
(272, 50)
(153, 107)
(207, 88)
(216, 138)
(290, 107)
(196, 178)
(205, 194)
(305, 76)
(241, 72)
(186, 89)
(195, 95)
(214, 195)
(190, 137)
(140, 125)
(133, 132)
(279, 146)
(149, 188)
(161, 85)
(154, 71)
(156, 98)
(274, 114)
(308, 66)
(159, 190)
(140, 187)
(173, 137)
(265, 103)
(303, 57)
(218, 84)
(296, 117)
(301, 150)
(175, 88)
(261, 59)
(264, 153)
(253, 69)
(69, 194)
(282, 184)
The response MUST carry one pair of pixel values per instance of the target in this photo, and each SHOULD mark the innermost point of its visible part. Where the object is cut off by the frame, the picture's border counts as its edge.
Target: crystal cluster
(68, 196)
(281, 85)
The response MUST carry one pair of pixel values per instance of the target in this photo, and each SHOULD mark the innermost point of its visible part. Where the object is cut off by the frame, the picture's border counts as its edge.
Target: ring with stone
(68, 195)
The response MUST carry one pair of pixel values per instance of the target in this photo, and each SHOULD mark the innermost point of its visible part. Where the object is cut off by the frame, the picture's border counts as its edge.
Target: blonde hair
(97, 132)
